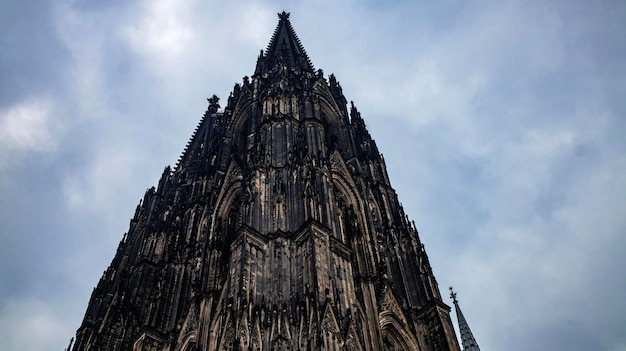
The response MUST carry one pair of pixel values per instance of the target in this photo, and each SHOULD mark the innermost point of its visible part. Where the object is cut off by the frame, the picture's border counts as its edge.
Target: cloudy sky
(503, 124)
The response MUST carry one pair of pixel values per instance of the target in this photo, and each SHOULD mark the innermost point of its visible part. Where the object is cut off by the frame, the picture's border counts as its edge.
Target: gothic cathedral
(278, 229)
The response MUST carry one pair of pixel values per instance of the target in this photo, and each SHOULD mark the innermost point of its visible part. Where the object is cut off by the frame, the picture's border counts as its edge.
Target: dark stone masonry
(278, 229)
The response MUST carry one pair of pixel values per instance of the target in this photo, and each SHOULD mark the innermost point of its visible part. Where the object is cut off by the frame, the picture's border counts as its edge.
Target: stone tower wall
(277, 230)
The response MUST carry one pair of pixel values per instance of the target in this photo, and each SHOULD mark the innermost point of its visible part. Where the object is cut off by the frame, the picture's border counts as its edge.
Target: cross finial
(453, 295)
(284, 15)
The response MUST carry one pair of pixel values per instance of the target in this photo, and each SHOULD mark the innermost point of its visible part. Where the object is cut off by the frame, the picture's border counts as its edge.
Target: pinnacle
(467, 338)
(285, 47)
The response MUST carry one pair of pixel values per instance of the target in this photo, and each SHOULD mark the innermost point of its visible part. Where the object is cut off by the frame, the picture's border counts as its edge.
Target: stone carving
(278, 228)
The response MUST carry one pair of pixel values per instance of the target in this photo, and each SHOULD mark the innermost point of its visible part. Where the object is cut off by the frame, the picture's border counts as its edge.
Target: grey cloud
(501, 125)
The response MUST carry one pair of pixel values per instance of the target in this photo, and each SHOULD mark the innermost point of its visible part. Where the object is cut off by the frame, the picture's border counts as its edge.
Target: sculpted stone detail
(278, 229)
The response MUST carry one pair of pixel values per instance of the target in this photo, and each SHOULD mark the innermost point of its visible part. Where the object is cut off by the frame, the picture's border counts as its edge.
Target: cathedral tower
(278, 229)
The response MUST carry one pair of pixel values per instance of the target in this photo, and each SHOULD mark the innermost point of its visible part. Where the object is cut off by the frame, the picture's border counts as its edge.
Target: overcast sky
(503, 124)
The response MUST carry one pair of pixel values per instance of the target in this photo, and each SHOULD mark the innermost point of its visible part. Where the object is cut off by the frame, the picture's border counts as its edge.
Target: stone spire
(284, 47)
(278, 229)
(467, 338)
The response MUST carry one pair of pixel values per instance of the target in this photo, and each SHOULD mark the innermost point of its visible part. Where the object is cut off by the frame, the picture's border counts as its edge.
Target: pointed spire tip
(285, 47)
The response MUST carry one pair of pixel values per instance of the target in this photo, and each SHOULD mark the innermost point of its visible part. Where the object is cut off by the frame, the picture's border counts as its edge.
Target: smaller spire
(467, 338)
(285, 47)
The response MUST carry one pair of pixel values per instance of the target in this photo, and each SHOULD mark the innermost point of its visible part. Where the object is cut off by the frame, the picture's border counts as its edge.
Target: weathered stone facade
(278, 229)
